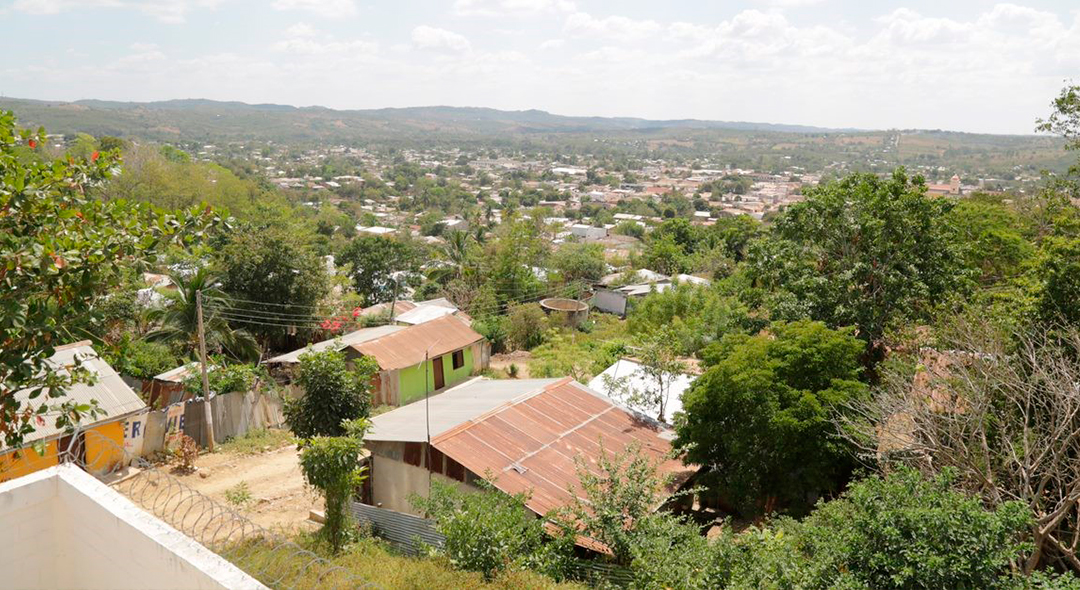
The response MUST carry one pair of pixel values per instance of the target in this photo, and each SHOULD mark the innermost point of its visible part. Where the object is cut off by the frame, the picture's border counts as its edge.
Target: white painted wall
(61, 528)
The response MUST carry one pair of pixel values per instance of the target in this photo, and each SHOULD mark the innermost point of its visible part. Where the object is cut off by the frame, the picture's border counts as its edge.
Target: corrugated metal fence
(235, 414)
(405, 531)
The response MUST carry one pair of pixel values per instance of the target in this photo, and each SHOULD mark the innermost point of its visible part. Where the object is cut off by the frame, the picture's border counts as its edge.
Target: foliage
(616, 495)
(259, 440)
(579, 262)
(177, 320)
(569, 353)
(496, 329)
(861, 251)
(332, 465)
(695, 315)
(226, 378)
(1058, 272)
(239, 495)
(277, 269)
(492, 532)
(761, 416)
(186, 453)
(375, 260)
(61, 247)
(657, 357)
(141, 359)
(333, 393)
(526, 325)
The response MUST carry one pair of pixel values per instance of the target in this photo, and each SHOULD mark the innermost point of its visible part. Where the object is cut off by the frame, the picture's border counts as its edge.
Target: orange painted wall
(26, 461)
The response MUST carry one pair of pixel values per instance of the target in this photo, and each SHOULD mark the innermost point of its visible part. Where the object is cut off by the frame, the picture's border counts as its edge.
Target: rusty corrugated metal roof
(529, 445)
(409, 346)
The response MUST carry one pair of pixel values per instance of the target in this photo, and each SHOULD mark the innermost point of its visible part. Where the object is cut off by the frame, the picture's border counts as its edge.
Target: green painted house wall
(411, 384)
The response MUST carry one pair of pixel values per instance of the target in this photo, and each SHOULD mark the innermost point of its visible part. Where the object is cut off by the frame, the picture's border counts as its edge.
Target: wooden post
(208, 416)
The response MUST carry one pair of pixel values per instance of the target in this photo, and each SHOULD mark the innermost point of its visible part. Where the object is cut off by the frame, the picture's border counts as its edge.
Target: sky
(962, 65)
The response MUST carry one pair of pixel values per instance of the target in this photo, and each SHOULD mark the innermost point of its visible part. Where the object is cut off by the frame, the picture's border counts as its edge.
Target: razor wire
(267, 556)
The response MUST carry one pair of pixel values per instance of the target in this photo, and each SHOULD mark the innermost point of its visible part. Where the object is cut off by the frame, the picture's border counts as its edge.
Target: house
(617, 300)
(413, 360)
(524, 435)
(454, 223)
(62, 528)
(953, 188)
(632, 376)
(419, 360)
(168, 387)
(431, 309)
(588, 232)
(100, 441)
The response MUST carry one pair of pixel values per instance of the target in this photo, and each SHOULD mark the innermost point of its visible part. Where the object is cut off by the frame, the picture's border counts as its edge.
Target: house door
(437, 368)
(72, 449)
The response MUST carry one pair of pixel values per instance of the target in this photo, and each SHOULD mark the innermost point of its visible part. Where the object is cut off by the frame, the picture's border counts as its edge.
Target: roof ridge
(71, 345)
(476, 420)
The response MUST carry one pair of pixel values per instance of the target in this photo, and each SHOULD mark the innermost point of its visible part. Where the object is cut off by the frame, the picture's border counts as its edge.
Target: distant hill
(191, 118)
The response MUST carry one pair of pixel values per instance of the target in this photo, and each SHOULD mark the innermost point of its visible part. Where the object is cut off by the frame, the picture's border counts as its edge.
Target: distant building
(953, 188)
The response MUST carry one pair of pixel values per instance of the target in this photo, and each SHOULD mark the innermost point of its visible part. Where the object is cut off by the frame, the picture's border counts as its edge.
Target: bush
(228, 378)
(331, 464)
(141, 359)
(332, 394)
(527, 324)
(495, 329)
(491, 532)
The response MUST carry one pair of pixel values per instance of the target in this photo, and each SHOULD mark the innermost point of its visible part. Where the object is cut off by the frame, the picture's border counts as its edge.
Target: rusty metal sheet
(409, 346)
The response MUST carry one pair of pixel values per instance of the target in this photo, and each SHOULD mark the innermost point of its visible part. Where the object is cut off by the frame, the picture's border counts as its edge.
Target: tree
(332, 464)
(657, 355)
(526, 326)
(1001, 412)
(332, 393)
(579, 262)
(1058, 273)
(490, 532)
(61, 249)
(177, 319)
(374, 261)
(761, 417)
(274, 267)
(696, 315)
(862, 251)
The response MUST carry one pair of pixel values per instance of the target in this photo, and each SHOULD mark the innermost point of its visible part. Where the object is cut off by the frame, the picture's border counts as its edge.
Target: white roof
(114, 397)
(423, 313)
(625, 368)
(450, 408)
(682, 278)
(339, 343)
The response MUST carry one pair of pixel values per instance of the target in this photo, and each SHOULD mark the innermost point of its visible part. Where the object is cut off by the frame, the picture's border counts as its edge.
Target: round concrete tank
(573, 312)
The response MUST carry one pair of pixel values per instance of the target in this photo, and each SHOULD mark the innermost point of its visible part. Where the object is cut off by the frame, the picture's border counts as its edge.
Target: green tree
(578, 262)
(862, 251)
(374, 261)
(333, 393)
(527, 323)
(332, 465)
(1058, 273)
(177, 320)
(61, 248)
(761, 417)
(658, 358)
(276, 268)
(696, 315)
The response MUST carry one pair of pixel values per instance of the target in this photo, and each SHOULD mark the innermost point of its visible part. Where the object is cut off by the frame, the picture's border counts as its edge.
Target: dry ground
(280, 500)
(502, 362)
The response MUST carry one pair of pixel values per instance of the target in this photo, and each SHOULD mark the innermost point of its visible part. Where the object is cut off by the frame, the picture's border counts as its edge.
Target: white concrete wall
(61, 528)
(394, 482)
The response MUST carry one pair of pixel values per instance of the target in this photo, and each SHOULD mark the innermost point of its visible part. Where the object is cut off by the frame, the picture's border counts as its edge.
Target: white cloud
(552, 44)
(303, 39)
(436, 39)
(323, 8)
(512, 7)
(613, 27)
(170, 11)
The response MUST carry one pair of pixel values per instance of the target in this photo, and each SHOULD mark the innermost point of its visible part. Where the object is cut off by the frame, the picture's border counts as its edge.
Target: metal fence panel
(403, 530)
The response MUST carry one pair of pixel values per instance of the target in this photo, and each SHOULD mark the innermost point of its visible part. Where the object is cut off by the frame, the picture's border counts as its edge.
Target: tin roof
(450, 408)
(409, 345)
(424, 313)
(632, 375)
(530, 443)
(339, 343)
(114, 397)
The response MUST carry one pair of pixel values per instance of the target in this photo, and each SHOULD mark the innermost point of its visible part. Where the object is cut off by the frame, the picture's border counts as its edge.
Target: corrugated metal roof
(450, 408)
(113, 396)
(529, 445)
(381, 308)
(409, 346)
(631, 374)
(340, 343)
(423, 313)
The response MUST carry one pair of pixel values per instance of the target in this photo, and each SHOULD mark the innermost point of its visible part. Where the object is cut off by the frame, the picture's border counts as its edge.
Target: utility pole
(208, 416)
(393, 302)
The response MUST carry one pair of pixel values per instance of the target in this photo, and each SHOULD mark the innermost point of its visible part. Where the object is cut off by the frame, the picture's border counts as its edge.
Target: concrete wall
(393, 481)
(61, 528)
(610, 302)
(411, 385)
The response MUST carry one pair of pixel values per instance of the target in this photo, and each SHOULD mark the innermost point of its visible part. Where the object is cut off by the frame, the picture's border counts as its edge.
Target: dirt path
(279, 498)
(520, 358)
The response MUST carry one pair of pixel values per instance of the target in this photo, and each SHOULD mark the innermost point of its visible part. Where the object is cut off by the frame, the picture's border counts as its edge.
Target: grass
(372, 561)
(258, 441)
(238, 495)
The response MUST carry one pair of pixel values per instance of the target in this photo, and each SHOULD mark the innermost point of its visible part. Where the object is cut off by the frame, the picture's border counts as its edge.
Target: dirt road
(279, 498)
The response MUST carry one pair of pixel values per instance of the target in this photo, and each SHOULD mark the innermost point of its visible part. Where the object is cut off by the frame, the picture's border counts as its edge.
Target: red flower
(33, 143)
(40, 420)
(356, 312)
(94, 156)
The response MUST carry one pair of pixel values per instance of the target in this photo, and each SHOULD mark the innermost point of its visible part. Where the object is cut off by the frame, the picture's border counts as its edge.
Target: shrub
(331, 464)
(332, 394)
(141, 359)
(491, 532)
(527, 324)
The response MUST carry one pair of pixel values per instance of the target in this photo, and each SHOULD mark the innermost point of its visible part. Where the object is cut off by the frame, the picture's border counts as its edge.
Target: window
(455, 470)
(459, 359)
(412, 453)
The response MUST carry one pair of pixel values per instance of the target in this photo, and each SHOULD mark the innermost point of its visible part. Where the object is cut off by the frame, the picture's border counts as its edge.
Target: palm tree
(178, 324)
(457, 249)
